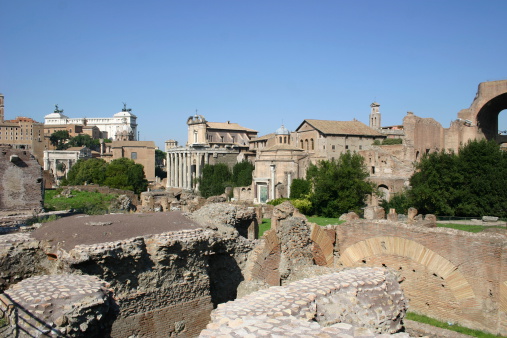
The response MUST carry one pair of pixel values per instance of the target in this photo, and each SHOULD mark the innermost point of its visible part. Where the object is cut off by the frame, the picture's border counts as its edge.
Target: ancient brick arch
(398, 246)
(490, 100)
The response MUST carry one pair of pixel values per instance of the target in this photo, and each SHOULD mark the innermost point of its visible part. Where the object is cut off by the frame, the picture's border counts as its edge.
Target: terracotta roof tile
(342, 127)
(228, 125)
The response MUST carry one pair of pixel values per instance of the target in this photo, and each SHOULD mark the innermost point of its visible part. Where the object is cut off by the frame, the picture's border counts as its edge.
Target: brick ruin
(20, 181)
(169, 281)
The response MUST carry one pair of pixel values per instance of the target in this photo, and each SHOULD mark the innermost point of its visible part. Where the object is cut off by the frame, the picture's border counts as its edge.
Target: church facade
(207, 143)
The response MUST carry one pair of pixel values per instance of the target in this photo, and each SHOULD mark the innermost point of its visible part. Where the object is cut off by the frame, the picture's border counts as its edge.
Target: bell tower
(1, 107)
(375, 116)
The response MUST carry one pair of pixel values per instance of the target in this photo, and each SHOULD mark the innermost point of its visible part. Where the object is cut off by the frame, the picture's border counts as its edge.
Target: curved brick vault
(490, 100)
(391, 245)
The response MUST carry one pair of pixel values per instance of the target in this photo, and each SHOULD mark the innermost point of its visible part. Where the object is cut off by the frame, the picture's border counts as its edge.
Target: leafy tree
(160, 157)
(59, 138)
(400, 202)
(471, 183)
(214, 179)
(84, 140)
(86, 171)
(242, 174)
(300, 188)
(124, 173)
(339, 186)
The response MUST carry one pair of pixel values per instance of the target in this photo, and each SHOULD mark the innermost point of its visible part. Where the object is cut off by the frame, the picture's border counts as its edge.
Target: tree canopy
(339, 186)
(84, 140)
(215, 178)
(122, 173)
(470, 183)
(59, 139)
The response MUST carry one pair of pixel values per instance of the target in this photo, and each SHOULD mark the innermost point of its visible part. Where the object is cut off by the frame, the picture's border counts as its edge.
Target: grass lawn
(266, 223)
(83, 201)
(466, 227)
(427, 320)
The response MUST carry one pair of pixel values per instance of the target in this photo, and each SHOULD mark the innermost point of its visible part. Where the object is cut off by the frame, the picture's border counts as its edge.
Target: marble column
(272, 167)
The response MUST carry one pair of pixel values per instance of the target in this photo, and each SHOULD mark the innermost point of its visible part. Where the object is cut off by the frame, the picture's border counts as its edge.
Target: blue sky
(258, 63)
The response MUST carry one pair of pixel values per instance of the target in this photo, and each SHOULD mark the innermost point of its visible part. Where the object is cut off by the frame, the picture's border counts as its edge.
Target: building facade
(121, 127)
(207, 143)
(59, 162)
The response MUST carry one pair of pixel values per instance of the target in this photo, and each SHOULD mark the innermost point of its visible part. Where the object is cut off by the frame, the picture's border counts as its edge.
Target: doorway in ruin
(384, 192)
(492, 119)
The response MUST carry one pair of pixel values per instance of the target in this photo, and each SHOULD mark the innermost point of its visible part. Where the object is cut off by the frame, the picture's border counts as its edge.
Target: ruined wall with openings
(447, 274)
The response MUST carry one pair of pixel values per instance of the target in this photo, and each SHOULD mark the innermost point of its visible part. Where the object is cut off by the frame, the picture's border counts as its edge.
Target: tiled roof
(228, 126)
(262, 138)
(282, 147)
(341, 127)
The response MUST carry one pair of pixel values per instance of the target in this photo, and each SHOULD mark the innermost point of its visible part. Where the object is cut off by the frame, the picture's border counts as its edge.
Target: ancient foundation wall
(20, 181)
(448, 274)
(359, 302)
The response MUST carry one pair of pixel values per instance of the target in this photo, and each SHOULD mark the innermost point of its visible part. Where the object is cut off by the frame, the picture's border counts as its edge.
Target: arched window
(280, 139)
(302, 145)
(313, 144)
(306, 144)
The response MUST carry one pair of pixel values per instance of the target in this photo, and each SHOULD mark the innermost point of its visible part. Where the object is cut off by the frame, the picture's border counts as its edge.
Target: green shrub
(303, 205)
(390, 141)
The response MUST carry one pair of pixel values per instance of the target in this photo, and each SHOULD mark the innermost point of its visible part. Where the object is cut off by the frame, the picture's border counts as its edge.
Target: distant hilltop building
(121, 127)
(21, 133)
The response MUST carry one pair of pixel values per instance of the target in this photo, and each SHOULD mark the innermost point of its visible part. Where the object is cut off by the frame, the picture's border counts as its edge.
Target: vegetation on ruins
(122, 173)
(216, 177)
(339, 186)
(92, 203)
(470, 183)
(448, 326)
(388, 141)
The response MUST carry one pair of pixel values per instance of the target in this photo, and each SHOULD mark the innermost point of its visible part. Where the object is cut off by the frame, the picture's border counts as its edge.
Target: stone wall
(165, 283)
(361, 302)
(447, 274)
(20, 181)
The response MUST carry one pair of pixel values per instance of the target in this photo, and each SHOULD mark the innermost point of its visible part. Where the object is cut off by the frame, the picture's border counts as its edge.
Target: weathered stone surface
(59, 305)
(226, 218)
(412, 212)
(349, 216)
(374, 212)
(360, 302)
(489, 219)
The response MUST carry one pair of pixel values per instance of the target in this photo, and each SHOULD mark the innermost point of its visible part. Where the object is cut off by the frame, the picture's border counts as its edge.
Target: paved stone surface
(57, 304)
(316, 307)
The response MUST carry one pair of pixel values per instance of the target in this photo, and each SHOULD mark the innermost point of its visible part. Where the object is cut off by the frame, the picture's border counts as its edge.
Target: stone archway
(490, 100)
(399, 246)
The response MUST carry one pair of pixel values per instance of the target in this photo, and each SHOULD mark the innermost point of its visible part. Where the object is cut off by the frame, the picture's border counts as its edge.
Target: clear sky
(258, 63)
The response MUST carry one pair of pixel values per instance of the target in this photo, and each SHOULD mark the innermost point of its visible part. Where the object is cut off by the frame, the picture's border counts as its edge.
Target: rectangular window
(133, 155)
(346, 147)
(333, 147)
